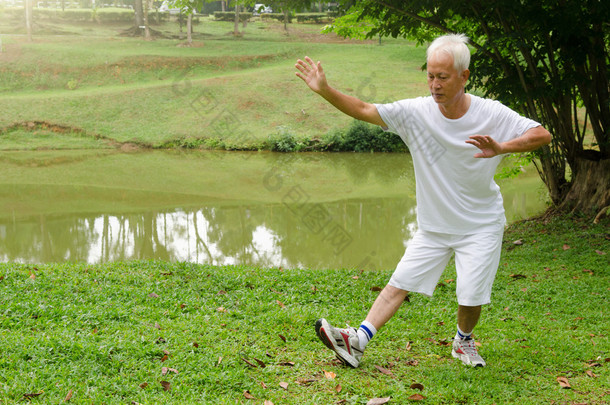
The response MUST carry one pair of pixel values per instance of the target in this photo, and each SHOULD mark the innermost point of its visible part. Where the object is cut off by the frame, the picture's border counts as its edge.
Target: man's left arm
(531, 140)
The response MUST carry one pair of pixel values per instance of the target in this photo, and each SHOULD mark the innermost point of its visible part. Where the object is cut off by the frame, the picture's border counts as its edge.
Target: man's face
(445, 82)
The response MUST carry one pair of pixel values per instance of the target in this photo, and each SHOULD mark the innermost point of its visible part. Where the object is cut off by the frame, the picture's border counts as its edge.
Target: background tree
(287, 6)
(548, 59)
(29, 4)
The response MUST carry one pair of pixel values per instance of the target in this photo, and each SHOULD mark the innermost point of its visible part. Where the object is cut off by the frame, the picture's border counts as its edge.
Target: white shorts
(476, 260)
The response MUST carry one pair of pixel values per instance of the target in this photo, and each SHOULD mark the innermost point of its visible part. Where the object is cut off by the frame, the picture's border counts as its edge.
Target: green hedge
(105, 15)
(276, 16)
(102, 15)
(313, 17)
(230, 16)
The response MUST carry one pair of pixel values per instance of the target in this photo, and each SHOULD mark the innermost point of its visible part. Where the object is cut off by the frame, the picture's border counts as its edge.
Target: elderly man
(456, 142)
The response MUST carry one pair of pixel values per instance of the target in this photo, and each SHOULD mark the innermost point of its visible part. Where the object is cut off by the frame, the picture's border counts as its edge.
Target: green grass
(236, 91)
(104, 331)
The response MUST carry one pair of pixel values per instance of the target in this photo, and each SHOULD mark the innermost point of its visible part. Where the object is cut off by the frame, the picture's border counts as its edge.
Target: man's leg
(468, 317)
(464, 347)
(419, 271)
(477, 257)
(386, 305)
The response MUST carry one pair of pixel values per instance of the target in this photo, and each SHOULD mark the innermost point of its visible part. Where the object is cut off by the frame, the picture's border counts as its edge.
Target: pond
(306, 210)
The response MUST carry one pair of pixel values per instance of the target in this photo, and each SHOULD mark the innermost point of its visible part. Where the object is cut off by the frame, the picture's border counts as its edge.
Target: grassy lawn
(238, 90)
(181, 333)
(154, 332)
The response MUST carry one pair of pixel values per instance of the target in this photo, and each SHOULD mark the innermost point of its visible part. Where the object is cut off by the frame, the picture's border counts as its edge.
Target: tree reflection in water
(314, 210)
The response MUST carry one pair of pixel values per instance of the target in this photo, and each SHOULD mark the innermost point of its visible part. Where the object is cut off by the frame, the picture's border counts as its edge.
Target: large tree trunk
(139, 13)
(189, 28)
(236, 26)
(590, 187)
(146, 27)
(29, 4)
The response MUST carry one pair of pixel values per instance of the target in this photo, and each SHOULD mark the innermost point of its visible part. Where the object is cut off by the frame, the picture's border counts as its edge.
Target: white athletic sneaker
(344, 342)
(466, 350)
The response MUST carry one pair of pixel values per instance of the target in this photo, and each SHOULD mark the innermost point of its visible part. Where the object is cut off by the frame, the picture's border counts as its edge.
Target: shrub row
(102, 15)
(76, 14)
(276, 16)
(230, 16)
(359, 137)
(314, 17)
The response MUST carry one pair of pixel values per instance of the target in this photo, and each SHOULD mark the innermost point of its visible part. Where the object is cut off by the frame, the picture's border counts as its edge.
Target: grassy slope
(237, 89)
(102, 332)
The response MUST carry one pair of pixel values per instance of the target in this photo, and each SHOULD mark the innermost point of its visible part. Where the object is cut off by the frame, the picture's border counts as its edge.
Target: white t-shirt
(455, 192)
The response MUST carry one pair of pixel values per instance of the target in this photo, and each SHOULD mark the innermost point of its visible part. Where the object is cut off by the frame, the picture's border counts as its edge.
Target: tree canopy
(548, 59)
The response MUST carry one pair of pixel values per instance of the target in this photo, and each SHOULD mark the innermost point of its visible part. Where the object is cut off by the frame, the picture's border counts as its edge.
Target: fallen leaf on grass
(153, 295)
(33, 395)
(247, 395)
(517, 276)
(599, 252)
(355, 278)
(165, 370)
(248, 363)
(408, 347)
(412, 362)
(417, 386)
(157, 326)
(267, 402)
(143, 385)
(167, 386)
(260, 363)
(338, 388)
(378, 401)
(518, 242)
(287, 363)
(416, 397)
(566, 247)
(69, 396)
(591, 374)
(221, 309)
(280, 304)
(284, 385)
(376, 289)
(563, 382)
(306, 381)
(195, 344)
(282, 337)
(329, 375)
(384, 371)
(164, 358)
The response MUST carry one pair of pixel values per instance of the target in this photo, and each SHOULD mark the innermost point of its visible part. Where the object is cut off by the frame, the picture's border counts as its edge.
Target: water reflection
(315, 211)
(260, 235)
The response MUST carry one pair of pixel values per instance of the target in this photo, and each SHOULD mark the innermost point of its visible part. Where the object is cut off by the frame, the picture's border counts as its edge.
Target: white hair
(453, 45)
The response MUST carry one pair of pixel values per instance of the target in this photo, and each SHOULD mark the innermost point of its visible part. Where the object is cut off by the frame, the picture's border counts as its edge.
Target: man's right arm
(313, 75)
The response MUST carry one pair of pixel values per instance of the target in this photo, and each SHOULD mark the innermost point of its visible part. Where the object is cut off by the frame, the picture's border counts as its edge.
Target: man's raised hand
(311, 73)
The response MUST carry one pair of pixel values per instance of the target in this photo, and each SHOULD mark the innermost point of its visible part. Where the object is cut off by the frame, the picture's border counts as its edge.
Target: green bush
(286, 141)
(69, 14)
(362, 137)
(110, 15)
(312, 17)
(276, 16)
(230, 16)
(359, 137)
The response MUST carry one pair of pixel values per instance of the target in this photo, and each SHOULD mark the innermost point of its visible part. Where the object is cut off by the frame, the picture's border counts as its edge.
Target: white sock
(461, 335)
(365, 333)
